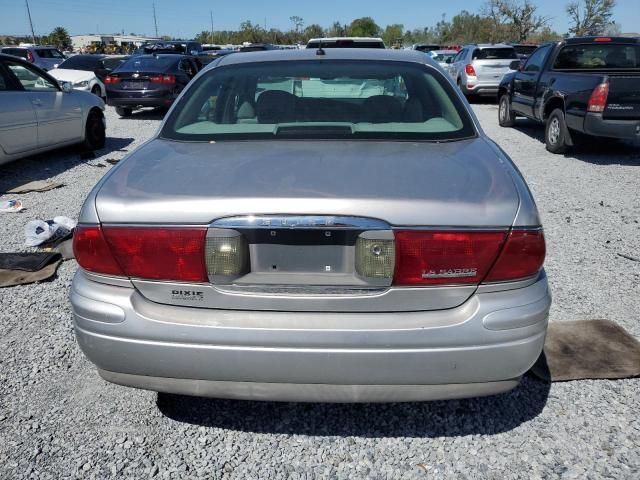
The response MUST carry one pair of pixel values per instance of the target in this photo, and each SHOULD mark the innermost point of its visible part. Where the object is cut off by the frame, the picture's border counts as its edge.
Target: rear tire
(506, 118)
(556, 134)
(94, 132)
(124, 111)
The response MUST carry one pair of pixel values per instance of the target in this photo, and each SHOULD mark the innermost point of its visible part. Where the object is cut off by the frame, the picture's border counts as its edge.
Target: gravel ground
(58, 419)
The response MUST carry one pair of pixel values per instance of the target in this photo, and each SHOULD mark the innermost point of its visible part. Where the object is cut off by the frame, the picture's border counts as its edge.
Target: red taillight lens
(521, 257)
(598, 99)
(470, 70)
(92, 252)
(29, 56)
(159, 253)
(437, 258)
(163, 79)
(110, 80)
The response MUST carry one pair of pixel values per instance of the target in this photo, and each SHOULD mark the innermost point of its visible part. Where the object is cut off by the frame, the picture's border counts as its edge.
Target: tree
(590, 17)
(336, 30)
(493, 10)
(468, 28)
(393, 34)
(364, 27)
(59, 38)
(523, 18)
(298, 22)
(251, 33)
(313, 31)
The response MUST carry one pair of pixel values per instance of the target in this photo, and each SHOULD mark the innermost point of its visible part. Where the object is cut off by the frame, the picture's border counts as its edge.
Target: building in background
(108, 43)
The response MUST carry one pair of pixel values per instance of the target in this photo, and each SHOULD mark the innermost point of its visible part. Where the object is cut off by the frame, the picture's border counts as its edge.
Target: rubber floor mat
(22, 268)
(588, 349)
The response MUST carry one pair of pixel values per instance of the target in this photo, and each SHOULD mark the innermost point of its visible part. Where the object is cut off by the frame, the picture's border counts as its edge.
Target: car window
(113, 63)
(4, 80)
(495, 54)
(598, 56)
(49, 53)
(460, 55)
(80, 62)
(30, 79)
(328, 99)
(148, 64)
(536, 60)
(16, 52)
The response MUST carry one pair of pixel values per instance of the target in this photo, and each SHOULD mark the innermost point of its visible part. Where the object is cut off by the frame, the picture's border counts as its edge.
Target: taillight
(163, 79)
(92, 252)
(521, 257)
(30, 56)
(226, 253)
(375, 257)
(470, 70)
(452, 257)
(598, 99)
(158, 253)
(111, 80)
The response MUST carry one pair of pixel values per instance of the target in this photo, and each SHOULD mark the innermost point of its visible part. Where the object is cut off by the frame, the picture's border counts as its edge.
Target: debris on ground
(36, 186)
(52, 232)
(23, 268)
(11, 206)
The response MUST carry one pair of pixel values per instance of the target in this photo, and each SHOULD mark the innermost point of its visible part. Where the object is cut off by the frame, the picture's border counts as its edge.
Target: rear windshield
(443, 57)
(148, 64)
(320, 99)
(49, 53)
(346, 44)
(81, 62)
(495, 54)
(426, 48)
(16, 52)
(598, 56)
(525, 49)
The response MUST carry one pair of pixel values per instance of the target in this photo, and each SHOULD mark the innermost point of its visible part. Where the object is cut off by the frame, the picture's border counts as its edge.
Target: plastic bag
(38, 232)
(8, 206)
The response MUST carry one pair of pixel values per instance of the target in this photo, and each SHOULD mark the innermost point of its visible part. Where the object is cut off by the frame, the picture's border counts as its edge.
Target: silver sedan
(314, 225)
(37, 114)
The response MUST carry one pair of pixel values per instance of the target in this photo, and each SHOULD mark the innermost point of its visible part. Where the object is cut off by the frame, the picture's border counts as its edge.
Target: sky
(185, 19)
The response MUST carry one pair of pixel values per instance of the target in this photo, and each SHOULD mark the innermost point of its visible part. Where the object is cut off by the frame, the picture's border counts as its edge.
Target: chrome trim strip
(304, 222)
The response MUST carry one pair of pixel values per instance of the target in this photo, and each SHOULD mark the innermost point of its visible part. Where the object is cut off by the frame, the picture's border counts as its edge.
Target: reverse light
(375, 258)
(598, 99)
(469, 70)
(226, 253)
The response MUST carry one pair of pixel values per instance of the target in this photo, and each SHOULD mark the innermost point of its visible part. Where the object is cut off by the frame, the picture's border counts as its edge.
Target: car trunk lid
(623, 101)
(300, 207)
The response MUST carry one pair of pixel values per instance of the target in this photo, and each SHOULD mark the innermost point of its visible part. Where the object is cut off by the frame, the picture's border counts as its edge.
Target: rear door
(58, 114)
(492, 63)
(18, 124)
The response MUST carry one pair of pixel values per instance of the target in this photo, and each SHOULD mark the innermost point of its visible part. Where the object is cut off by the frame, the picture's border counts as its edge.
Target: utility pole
(211, 15)
(155, 20)
(33, 35)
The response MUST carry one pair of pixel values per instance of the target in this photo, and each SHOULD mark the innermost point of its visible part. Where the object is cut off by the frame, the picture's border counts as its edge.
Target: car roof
(490, 45)
(353, 39)
(370, 54)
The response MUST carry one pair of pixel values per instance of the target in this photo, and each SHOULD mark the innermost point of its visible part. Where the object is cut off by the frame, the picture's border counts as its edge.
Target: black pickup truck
(579, 86)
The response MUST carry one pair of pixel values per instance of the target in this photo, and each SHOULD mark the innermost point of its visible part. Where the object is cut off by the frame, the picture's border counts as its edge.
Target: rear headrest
(275, 106)
(382, 109)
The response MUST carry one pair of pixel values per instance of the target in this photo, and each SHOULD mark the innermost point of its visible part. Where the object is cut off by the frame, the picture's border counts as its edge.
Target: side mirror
(515, 65)
(66, 87)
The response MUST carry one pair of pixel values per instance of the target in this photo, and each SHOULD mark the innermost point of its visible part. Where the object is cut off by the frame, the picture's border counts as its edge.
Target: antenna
(33, 35)
(320, 50)
(155, 20)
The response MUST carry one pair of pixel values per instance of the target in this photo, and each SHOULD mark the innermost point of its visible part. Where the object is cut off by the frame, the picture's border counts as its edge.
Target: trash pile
(52, 237)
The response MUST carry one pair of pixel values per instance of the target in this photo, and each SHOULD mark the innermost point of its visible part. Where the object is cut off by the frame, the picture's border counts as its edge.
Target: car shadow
(147, 114)
(598, 151)
(49, 164)
(484, 415)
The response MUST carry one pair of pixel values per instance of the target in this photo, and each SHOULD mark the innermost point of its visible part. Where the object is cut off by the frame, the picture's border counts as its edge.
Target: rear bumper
(489, 342)
(140, 99)
(483, 88)
(595, 125)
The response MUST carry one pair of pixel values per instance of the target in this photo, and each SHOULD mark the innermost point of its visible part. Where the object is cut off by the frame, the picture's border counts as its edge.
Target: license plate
(134, 85)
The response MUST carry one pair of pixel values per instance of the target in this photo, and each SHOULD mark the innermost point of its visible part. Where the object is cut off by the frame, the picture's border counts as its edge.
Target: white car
(38, 114)
(87, 72)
